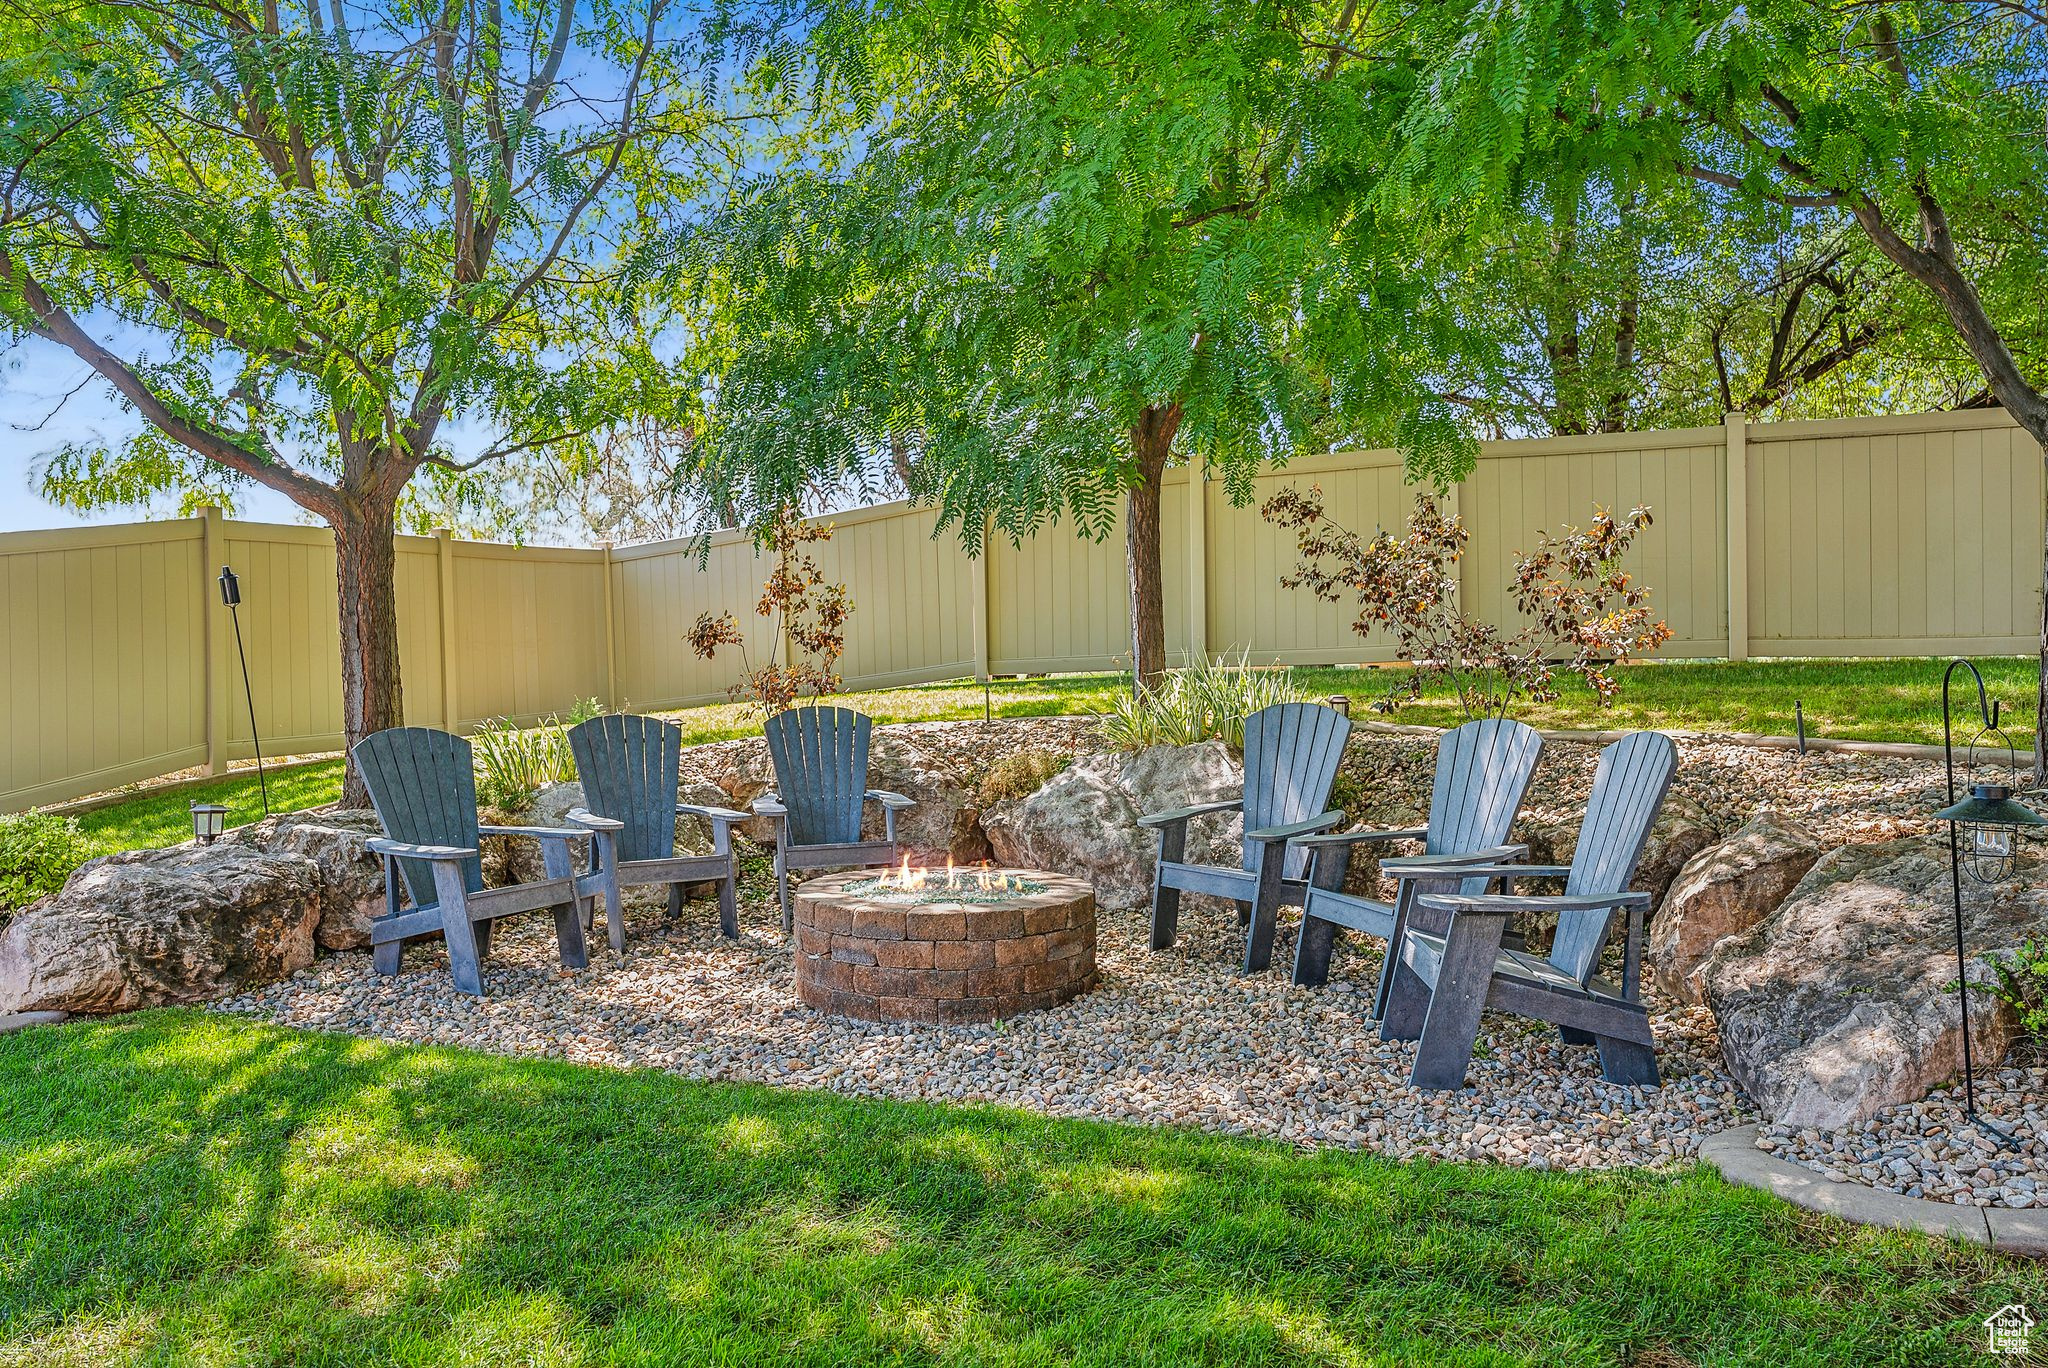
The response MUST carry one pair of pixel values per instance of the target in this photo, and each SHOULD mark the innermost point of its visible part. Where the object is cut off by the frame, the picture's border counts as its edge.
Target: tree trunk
(365, 556)
(1934, 266)
(1151, 444)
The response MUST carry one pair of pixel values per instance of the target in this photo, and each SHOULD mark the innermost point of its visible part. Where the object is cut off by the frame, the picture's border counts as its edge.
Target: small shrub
(513, 765)
(810, 619)
(1582, 613)
(1021, 775)
(38, 851)
(1209, 700)
(2023, 986)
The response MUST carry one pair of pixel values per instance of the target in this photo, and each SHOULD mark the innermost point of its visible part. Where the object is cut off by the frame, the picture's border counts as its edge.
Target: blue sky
(35, 377)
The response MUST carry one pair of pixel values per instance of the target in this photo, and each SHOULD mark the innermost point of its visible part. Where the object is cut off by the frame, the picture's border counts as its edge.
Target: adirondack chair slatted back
(423, 784)
(1628, 790)
(821, 772)
(1483, 770)
(628, 766)
(1291, 753)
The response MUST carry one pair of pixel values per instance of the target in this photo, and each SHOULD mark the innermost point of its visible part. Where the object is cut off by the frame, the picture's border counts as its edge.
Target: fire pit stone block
(939, 961)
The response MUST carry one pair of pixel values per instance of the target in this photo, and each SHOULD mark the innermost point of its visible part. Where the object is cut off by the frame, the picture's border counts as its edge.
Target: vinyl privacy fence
(1893, 536)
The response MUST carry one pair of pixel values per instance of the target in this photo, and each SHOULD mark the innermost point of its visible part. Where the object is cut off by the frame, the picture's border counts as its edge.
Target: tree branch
(51, 321)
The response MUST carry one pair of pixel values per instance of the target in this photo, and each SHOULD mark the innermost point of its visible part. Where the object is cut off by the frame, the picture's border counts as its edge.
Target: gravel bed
(1171, 1038)
(1930, 1149)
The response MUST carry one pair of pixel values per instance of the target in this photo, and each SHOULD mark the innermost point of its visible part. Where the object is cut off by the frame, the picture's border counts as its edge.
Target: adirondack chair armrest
(539, 833)
(895, 802)
(1464, 904)
(1187, 814)
(769, 805)
(1430, 866)
(1511, 871)
(1361, 836)
(406, 850)
(1293, 831)
(584, 818)
(716, 814)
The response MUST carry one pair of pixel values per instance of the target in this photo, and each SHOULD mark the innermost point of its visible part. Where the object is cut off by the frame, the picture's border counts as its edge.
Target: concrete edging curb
(1735, 1154)
(21, 1021)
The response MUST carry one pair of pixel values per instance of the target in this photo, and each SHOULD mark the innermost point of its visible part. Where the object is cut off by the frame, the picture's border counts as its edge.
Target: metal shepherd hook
(231, 597)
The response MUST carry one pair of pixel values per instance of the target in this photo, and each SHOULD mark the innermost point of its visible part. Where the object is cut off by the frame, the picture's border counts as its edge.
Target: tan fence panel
(1248, 556)
(1897, 536)
(658, 590)
(292, 636)
(1524, 489)
(529, 631)
(1060, 602)
(912, 594)
(1894, 536)
(105, 660)
(291, 631)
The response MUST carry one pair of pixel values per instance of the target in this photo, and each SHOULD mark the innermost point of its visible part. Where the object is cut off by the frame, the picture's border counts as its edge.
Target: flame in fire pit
(917, 884)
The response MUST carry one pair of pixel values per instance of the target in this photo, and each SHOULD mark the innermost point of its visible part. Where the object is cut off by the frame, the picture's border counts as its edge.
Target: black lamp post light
(1983, 831)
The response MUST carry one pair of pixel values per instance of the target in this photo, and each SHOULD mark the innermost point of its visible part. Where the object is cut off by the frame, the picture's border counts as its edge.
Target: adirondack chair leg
(1318, 938)
(1312, 951)
(1258, 943)
(465, 963)
(728, 908)
(575, 952)
(1628, 1061)
(1452, 1026)
(483, 939)
(1404, 1006)
(1383, 995)
(384, 959)
(782, 883)
(1173, 845)
(675, 901)
(1572, 1035)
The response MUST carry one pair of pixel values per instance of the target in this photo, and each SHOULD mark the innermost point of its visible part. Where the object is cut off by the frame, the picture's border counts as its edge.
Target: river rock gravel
(1172, 1038)
(1931, 1149)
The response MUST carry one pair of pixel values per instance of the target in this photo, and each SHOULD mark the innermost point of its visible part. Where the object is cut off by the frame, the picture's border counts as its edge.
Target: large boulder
(518, 859)
(337, 841)
(1842, 1002)
(1084, 821)
(1683, 829)
(910, 760)
(946, 823)
(152, 928)
(1723, 891)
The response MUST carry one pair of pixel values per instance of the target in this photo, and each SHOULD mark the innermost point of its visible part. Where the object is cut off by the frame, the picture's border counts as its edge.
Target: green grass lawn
(177, 1187)
(1865, 700)
(1851, 700)
(161, 819)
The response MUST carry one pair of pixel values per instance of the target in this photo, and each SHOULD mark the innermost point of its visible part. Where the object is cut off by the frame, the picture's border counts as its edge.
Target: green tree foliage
(333, 236)
(1031, 252)
(1668, 305)
(1917, 127)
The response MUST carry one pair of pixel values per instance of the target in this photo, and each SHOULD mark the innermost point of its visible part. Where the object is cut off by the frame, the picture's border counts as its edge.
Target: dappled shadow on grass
(179, 1185)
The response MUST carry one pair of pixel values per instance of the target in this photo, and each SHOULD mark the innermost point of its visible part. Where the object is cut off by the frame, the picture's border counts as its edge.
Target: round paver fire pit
(970, 946)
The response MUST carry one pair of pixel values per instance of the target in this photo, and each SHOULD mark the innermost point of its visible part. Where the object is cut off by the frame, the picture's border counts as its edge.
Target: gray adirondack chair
(821, 778)
(1466, 969)
(423, 786)
(1483, 771)
(1291, 752)
(629, 767)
